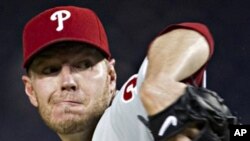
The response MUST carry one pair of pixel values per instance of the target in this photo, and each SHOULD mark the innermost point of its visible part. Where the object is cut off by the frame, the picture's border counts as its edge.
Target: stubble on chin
(67, 123)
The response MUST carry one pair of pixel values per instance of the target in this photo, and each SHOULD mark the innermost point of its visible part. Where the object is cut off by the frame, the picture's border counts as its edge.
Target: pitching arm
(172, 57)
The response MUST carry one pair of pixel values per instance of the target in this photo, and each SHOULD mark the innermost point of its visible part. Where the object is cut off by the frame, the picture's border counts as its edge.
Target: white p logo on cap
(59, 16)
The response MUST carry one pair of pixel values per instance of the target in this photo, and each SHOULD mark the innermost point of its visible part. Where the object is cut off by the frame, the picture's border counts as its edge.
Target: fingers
(191, 132)
(188, 134)
(180, 137)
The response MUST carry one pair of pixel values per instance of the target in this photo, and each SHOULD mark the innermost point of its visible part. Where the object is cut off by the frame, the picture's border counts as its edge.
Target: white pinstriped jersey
(120, 121)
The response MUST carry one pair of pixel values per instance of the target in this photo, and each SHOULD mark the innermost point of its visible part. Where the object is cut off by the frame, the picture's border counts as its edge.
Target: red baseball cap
(64, 23)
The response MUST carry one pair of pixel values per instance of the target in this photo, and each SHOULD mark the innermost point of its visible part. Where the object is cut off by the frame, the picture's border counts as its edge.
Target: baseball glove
(200, 106)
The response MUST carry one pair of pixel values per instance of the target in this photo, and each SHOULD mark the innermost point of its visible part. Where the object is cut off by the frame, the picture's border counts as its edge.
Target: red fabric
(83, 26)
(197, 77)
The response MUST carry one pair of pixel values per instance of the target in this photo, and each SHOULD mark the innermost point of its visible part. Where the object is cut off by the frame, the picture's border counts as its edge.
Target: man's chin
(63, 120)
(66, 125)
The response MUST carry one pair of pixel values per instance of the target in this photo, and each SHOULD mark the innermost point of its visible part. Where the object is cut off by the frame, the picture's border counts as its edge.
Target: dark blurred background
(130, 26)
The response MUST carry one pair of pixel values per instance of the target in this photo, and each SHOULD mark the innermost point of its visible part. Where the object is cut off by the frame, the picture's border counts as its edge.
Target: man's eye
(83, 64)
(50, 70)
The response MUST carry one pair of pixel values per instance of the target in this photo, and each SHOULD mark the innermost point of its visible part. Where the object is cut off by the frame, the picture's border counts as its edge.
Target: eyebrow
(41, 57)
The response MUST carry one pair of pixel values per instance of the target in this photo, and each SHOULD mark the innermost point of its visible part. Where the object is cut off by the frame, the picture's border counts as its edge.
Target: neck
(80, 136)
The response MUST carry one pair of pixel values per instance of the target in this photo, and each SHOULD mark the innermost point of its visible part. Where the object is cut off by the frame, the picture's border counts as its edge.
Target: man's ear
(113, 76)
(29, 90)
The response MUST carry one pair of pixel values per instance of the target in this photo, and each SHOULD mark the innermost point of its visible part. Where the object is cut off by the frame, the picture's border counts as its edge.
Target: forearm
(177, 54)
(172, 57)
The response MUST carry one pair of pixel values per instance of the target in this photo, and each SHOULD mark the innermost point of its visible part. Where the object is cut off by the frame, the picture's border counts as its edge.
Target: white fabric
(120, 121)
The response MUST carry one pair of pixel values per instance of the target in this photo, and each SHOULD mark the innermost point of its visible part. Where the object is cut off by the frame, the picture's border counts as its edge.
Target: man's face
(71, 87)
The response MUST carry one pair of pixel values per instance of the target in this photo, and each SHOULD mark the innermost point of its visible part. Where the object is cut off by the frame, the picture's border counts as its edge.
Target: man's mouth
(69, 102)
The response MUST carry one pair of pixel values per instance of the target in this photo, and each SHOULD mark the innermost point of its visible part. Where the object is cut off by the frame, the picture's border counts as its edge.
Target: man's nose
(68, 80)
